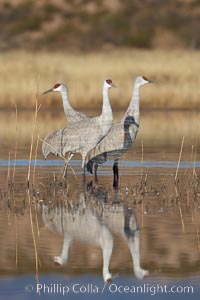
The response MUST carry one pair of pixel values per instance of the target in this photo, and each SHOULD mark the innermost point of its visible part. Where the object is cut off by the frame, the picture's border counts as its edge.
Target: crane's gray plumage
(81, 136)
(122, 134)
(54, 139)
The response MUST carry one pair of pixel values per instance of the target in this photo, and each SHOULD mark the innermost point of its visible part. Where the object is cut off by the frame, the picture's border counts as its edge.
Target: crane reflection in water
(95, 222)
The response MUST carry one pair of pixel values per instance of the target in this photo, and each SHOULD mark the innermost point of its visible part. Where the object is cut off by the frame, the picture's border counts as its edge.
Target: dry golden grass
(177, 72)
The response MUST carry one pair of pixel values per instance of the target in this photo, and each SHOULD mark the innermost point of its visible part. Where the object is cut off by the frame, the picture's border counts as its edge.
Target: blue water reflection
(92, 287)
(74, 163)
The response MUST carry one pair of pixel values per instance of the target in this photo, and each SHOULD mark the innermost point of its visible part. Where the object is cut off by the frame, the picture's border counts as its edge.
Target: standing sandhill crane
(82, 136)
(95, 224)
(71, 114)
(121, 136)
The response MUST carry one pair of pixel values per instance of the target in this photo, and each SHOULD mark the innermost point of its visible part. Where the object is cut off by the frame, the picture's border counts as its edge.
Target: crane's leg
(95, 173)
(70, 155)
(115, 174)
(83, 169)
(90, 166)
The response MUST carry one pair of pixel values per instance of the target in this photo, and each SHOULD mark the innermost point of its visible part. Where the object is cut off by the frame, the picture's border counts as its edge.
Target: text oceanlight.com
(77, 288)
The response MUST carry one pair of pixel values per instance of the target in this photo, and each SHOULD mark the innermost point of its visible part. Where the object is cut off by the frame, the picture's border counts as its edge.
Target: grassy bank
(177, 72)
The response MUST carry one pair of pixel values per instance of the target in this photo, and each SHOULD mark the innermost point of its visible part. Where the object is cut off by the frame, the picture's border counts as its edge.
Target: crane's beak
(113, 85)
(153, 81)
(48, 91)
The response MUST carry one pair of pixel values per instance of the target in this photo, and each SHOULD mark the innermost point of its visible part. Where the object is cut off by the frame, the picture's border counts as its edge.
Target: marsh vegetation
(176, 71)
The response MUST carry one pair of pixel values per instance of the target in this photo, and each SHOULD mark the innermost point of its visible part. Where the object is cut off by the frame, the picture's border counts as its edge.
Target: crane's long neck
(66, 105)
(106, 109)
(134, 106)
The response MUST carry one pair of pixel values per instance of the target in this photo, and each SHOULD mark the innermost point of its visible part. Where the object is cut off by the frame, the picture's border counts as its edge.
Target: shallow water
(149, 223)
(87, 222)
(96, 290)
(74, 163)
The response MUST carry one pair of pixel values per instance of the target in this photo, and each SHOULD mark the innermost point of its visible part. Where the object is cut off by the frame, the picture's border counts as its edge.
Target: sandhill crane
(121, 136)
(71, 114)
(95, 224)
(82, 136)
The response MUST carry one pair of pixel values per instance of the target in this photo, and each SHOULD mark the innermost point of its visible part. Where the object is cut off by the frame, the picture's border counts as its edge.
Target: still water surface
(145, 235)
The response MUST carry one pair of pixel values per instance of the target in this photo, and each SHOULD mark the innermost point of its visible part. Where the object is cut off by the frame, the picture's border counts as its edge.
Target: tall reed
(33, 133)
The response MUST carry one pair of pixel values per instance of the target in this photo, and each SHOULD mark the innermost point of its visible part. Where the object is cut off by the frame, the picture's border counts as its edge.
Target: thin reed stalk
(34, 239)
(35, 160)
(195, 151)
(33, 133)
(180, 209)
(142, 158)
(191, 157)
(179, 159)
(8, 172)
(16, 242)
(142, 214)
(181, 216)
(16, 142)
(16, 228)
(36, 219)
